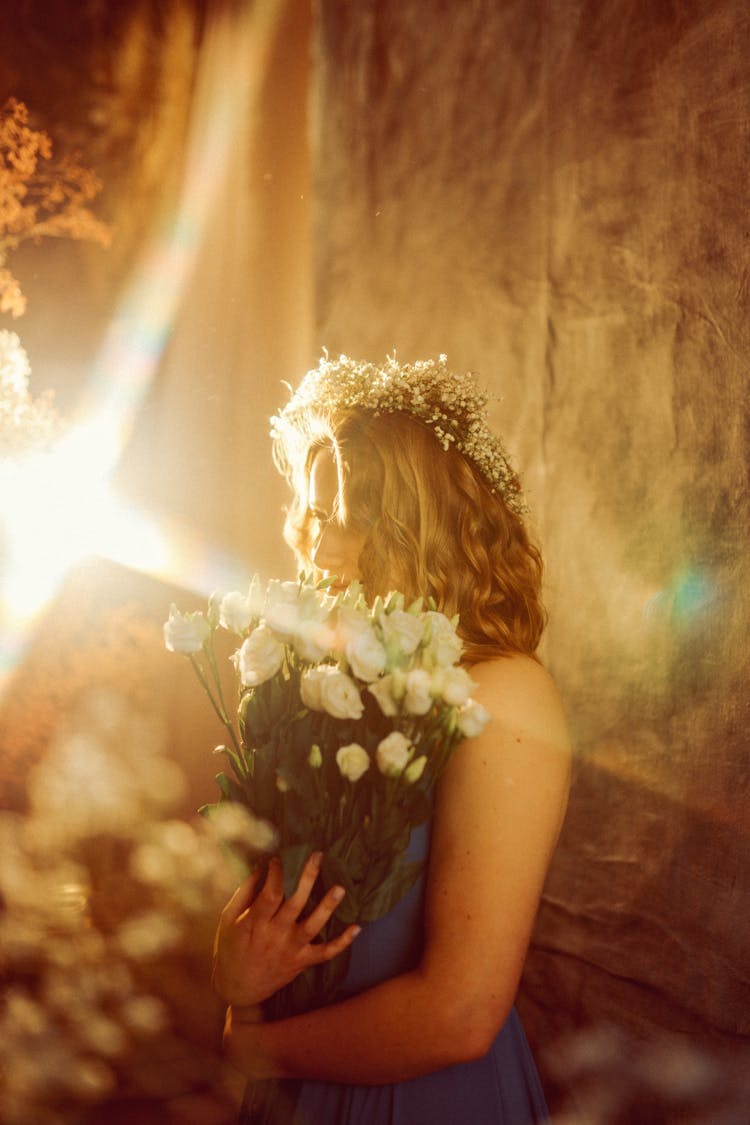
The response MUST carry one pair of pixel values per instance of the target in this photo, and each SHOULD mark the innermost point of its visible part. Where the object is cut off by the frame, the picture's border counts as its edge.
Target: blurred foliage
(39, 197)
(108, 907)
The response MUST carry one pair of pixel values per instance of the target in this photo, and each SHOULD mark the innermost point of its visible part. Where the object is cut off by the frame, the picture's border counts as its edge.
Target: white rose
(402, 631)
(366, 656)
(283, 619)
(260, 657)
(455, 685)
(256, 595)
(185, 632)
(444, 647)
(309, 687)
(282, 609)
(415, 769)
(418, 698)
(281, 593)
(300, 615)
(383, 690)
(339, 695)
(313, 641)
(472, 718)
(352, 760)
(235, 612)
(393, 754)
(347, 622)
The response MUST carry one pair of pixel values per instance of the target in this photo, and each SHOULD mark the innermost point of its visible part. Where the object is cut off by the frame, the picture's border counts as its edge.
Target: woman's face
(335, 549)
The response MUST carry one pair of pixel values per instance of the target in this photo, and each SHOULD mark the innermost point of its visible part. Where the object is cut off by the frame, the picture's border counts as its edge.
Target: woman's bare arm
(499, 810)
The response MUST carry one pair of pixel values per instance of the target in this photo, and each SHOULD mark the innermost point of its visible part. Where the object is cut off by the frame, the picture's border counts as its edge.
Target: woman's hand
(261, 944)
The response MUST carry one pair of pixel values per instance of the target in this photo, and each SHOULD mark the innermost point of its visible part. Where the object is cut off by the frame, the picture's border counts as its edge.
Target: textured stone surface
(555, 195)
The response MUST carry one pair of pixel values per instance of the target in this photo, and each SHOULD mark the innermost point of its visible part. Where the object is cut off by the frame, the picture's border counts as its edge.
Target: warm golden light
(57, 508)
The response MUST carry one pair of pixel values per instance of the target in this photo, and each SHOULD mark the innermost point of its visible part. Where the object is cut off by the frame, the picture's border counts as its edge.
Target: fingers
(330, 949)
(241, 898)
(312, 926)
(270, 904)
(272, 895)
(296, 902)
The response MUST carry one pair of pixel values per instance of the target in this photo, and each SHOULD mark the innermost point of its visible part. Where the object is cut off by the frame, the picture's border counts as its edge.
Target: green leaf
(238, 764)
(229, 788)
(420, 807)
(293, 858)
(386, 894)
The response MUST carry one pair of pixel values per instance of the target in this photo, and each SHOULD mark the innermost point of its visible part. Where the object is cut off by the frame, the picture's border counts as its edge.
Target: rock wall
(554, 194)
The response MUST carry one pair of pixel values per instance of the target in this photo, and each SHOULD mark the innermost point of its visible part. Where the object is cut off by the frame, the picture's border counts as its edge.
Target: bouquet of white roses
(347, 715)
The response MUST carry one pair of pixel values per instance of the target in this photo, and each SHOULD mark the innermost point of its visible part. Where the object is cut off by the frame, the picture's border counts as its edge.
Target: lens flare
(683, 600)
(56, 510)
(59, 507)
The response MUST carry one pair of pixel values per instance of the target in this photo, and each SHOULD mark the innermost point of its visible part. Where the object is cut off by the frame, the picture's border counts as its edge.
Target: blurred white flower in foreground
(109, 904)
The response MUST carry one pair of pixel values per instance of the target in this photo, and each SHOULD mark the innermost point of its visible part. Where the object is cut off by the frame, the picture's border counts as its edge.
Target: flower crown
(451, 405)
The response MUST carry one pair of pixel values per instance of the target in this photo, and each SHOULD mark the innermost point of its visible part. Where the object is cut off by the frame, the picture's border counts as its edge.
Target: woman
(398, 483)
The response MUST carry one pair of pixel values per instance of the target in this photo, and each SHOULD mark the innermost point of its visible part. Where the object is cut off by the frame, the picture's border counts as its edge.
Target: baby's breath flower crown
(452, 405)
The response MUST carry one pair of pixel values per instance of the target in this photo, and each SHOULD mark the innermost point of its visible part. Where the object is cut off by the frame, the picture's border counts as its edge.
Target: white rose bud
(214, 610)
(339, 695)
(352, 760)
(393, 754)
(382, 689)
(185, 632)
(455, 685)
(260, 657)
(315, 757)
(444, 646)
(366, 656)
(256, 595)
(472, 718)
(309, 687)
(282, 608)
(418, 697)
(415, 769)
(402, 630)
(235, 612)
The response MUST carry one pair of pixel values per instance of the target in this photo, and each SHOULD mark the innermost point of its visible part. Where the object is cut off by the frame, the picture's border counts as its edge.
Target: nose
(327, 552)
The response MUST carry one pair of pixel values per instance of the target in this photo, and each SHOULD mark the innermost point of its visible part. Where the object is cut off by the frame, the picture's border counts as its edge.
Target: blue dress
(502, 1088)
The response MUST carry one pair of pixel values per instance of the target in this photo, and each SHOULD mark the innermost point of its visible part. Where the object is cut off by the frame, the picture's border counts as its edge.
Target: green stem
(215, 671)
(220, 711)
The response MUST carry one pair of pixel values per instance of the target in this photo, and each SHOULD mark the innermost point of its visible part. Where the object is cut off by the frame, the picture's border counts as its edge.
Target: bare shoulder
(517, 684)
(510, 783)
(526, 741)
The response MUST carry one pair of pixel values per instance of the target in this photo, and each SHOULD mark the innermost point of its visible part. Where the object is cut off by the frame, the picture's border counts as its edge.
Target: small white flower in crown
(451, 404)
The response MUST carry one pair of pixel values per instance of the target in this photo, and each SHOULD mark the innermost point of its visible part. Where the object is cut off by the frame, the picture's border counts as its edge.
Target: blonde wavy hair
(432, 525)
